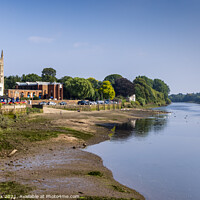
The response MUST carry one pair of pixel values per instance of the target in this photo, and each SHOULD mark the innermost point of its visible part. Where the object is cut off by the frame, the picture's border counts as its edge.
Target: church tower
(1, 75)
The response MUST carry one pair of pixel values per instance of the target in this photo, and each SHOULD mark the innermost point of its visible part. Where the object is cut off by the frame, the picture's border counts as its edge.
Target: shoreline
(59, 165)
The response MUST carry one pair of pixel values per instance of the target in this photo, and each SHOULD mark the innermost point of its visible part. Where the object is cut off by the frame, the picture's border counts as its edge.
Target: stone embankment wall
(12, 109)
(97, 107)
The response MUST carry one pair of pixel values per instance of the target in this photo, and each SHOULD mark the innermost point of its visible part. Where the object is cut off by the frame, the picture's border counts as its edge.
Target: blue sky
(95, 38)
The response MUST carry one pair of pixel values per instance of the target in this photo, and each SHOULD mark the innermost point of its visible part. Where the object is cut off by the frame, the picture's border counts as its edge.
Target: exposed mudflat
(59, 166)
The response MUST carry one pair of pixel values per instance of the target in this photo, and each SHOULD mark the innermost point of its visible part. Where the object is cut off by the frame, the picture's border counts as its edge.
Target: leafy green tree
(124, 87)
(148, 81)
(147, 95)
(66, 83)
(64, 79)
(107, 90)
(80, 88)
(31, 78)
(10, 81)
(112, 78)
(161, 86)
(95, 83)
(49, 75)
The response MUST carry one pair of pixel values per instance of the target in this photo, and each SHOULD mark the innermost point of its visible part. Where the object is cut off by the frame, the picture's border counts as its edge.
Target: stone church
(43, 90)
(1, 75)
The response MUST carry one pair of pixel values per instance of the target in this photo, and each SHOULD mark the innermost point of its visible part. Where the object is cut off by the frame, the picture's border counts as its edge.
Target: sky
(96, 38)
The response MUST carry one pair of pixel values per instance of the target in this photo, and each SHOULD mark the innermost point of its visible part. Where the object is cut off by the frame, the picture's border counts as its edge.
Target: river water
(159, 157)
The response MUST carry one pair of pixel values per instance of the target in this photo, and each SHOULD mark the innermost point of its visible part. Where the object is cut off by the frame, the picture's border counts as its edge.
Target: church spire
(1, 54)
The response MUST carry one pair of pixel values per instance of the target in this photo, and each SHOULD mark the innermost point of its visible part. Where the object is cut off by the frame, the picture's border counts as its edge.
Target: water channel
(159, 156)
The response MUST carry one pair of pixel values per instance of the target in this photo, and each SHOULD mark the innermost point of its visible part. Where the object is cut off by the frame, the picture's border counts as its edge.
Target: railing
(97, 107)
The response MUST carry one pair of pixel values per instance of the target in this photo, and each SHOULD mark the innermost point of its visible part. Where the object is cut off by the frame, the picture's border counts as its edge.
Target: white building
(131, 98)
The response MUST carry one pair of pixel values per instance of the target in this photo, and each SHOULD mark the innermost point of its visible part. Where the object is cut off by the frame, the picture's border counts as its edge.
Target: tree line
(147, 91)
(192, 97)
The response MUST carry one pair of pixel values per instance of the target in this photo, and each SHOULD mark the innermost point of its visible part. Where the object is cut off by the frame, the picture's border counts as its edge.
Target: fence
(97, 107)
(35, 102)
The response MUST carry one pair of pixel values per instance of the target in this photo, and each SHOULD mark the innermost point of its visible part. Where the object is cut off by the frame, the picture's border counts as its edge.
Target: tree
(148, 81)
(124, 87)
(66, 83)
(49, 75)
(10, 81)
(80, 88)
(144, 92)
(112, 78)
(161, 86)
(64, 79)
(95, 83)
(192, 97)
(31, 78)
(107, 90)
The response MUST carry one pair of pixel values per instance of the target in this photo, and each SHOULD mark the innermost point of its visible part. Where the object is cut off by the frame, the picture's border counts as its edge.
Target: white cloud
(38, 39)
(80, 44)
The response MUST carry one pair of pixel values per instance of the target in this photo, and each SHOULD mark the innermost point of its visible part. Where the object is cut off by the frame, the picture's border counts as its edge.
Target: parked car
(51, 103)
(108, 102)
(63, 103)
(93, 103)
(43, 103)
(100, 102)
(87, 103)
(83, 102)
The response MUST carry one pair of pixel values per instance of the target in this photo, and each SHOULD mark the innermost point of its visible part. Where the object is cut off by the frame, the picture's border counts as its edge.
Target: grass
(75, 133)
(118, 188)
(14, 188)
(38, 119)
(33, 110)
(4, 143)
(18, 131)
(95, 173)
(37, 135)
(9, 139)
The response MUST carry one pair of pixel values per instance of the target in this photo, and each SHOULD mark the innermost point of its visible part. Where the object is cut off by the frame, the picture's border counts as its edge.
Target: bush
(123, 102)
(141, 101)
(119, 97)
(25, 98)
(36, 98)
(168, 101)
(135, 103)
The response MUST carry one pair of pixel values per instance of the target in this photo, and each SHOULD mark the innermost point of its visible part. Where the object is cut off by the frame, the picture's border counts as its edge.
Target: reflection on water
(138, 128)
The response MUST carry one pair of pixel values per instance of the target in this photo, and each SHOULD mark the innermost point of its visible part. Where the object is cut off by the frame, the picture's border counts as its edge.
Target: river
(160, 156)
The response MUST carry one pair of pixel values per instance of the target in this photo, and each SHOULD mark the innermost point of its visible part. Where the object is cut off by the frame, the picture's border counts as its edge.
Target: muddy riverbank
(58, 166)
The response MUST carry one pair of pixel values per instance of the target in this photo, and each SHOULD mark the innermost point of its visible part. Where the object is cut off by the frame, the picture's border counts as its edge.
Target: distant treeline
(147, 91)
(192, 97)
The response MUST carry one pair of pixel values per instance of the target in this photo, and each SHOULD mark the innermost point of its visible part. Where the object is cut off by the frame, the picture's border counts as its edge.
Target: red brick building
(43, 90)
